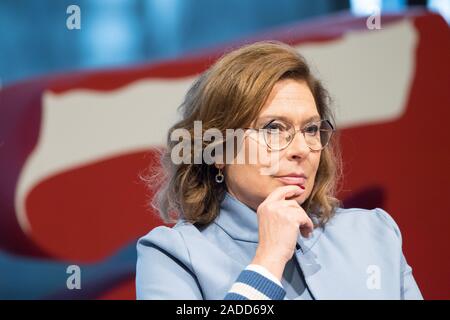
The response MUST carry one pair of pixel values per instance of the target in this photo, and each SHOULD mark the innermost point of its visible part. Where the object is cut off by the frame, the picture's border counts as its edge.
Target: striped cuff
(264, 272)
(251, 285)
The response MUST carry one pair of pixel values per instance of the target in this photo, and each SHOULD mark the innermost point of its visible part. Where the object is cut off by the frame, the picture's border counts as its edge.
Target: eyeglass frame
(302, 130)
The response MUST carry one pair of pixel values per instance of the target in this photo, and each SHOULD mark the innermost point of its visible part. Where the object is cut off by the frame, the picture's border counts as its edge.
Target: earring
(219, 176)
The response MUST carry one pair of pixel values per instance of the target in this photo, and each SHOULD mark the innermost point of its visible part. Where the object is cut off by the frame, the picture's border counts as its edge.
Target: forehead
(292, 100)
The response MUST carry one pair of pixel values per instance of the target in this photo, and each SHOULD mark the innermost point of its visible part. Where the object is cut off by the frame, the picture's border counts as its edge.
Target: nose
(298, 149)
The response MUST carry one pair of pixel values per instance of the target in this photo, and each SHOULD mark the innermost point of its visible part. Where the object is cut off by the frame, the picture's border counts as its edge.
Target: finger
(281, 193)
(306, 227)
(290, 204)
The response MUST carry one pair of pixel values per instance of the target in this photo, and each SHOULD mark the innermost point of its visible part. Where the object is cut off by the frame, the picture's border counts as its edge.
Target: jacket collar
(240, 222)
(323, 275)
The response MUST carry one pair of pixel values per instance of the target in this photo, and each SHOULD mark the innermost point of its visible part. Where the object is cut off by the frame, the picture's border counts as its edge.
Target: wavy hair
(229, 95)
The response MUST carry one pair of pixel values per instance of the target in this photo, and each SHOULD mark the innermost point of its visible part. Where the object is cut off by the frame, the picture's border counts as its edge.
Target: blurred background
(89, 88)
(35, 40)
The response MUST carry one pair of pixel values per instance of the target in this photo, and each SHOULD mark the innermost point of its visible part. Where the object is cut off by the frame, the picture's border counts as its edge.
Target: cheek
(267, 162)
(315, 161)
(255, 150)
(314, 165)
(248, 184)
(250, 176)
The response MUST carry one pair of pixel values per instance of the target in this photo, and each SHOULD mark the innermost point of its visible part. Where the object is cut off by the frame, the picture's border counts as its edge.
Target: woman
(265, 227)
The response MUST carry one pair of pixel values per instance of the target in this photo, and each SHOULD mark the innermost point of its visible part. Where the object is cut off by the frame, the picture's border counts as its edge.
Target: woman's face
(250, 182)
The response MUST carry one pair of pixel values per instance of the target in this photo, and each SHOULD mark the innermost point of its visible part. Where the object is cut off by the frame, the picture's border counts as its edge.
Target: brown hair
(230, 94)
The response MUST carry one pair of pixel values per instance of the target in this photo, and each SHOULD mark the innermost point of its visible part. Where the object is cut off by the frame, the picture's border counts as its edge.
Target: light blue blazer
(358, 255)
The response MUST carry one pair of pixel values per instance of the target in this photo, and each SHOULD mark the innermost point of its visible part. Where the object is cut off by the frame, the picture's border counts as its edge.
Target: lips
(293, 180)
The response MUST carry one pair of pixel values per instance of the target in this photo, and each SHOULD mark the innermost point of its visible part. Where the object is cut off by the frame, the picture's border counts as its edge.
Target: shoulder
(375, 222)
(164, 268)
(164, 250)
(169, 240)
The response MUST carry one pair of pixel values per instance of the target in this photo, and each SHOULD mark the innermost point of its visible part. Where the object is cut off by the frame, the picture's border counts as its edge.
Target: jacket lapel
(323, 275)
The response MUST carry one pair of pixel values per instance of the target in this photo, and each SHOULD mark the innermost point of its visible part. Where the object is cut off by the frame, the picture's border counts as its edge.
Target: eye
(312, 129)
(275, 126)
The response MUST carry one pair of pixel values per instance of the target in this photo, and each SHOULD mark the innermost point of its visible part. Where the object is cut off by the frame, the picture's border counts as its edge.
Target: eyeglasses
(278, 134)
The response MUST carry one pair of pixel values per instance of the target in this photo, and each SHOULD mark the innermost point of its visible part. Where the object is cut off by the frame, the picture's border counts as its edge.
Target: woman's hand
(279, 221)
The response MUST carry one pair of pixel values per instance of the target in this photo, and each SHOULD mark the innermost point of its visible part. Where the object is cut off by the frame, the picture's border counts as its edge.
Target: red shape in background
(410, 158)
(124, 291)
(93, 210)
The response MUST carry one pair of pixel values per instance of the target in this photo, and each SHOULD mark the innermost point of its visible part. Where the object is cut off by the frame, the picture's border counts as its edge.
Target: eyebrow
(287, 119)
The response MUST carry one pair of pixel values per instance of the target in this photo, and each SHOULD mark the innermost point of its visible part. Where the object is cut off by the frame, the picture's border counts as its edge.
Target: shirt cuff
(264, 272)
(256, 283)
